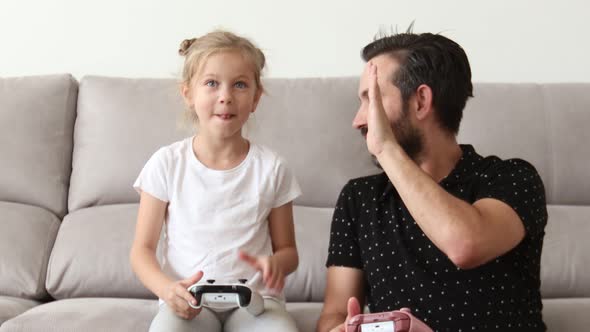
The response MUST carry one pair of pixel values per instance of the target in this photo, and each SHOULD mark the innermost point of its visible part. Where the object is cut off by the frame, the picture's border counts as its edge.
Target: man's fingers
(353, 307)
(374, 92)
(339, 328)
(376, 111)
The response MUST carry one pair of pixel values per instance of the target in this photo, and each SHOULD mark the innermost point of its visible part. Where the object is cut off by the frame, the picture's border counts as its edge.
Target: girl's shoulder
(271, 159)
(265, 153)
(173, 152)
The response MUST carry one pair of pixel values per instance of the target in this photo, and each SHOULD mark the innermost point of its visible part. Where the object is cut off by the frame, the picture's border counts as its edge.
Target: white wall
(506, 40)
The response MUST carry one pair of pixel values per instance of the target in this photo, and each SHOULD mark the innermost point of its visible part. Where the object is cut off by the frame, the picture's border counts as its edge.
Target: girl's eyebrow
(242, 76)
(233, 78)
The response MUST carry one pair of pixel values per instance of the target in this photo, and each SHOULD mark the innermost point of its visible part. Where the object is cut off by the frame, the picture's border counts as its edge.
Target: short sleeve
(287, 188)
(517, 183)
(344, 249)
(153, 177)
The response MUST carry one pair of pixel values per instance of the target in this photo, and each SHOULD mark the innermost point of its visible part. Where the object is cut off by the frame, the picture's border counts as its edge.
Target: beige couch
(69, 153)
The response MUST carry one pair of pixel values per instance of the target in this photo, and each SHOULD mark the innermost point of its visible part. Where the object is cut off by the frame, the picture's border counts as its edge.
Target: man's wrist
(329, 322)
(389, 148)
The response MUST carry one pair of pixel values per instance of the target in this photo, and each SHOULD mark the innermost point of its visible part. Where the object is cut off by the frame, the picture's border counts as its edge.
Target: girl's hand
(272, 275)
(379, 132)
(177, 296)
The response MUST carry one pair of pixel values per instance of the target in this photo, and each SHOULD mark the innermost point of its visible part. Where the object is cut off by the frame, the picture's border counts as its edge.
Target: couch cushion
(121, 122)
(128, 315)
(306, 315)
(567, 107)
(312, 233)
(27, 234)
(497, 122)
(539, 123)
(36, 123)
(87, 315)
(13, 306)
(91, 255)
(566, 315)
(565, 252)
(107, 314)
(309, 122)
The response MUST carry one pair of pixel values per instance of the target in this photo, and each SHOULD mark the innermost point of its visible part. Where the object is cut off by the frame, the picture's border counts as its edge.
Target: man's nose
(360, 119)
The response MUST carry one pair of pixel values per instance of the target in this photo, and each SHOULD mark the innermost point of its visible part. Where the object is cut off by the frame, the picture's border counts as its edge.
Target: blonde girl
(223, 202)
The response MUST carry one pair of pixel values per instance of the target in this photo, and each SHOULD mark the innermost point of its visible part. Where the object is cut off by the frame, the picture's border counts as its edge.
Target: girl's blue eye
(211, 83)
(241, 85)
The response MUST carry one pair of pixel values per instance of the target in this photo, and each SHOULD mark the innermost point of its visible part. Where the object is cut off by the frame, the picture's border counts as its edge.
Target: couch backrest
(36, 123)
(121, 122)
(548, 125)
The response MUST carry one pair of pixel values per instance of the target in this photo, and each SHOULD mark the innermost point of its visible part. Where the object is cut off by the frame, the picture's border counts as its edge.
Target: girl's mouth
(225, 116)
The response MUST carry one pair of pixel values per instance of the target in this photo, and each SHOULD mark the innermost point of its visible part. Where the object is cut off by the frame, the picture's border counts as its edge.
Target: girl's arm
(150, 219)
(282, 234)
(285, 258)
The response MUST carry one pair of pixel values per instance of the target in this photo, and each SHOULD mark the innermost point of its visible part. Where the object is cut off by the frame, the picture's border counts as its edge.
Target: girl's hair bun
(185, 45)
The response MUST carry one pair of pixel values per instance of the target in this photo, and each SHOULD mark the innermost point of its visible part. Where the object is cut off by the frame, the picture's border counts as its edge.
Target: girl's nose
(225, 97)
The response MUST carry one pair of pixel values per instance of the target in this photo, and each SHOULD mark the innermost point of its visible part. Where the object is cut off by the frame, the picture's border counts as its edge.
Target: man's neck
(440, 155)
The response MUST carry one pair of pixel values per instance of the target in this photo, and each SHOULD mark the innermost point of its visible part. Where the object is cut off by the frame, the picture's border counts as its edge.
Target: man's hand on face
(379, 132)
(353, 308)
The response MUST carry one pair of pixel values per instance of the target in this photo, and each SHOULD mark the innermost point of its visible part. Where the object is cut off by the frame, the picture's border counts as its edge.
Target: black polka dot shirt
(372, 230)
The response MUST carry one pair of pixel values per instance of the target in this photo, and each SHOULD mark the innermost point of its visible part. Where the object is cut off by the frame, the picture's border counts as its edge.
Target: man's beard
(407, 136)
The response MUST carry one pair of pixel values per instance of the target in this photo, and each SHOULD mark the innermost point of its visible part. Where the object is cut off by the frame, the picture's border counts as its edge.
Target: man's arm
(470, 235)
(342, 283)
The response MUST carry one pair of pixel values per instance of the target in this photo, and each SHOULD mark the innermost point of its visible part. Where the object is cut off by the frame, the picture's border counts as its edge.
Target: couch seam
(49, 251)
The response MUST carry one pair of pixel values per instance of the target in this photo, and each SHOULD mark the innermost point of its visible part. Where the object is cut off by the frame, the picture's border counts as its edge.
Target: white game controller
(227, 296)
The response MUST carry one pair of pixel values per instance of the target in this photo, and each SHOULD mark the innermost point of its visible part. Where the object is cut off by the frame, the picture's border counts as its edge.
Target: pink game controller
(391, 321)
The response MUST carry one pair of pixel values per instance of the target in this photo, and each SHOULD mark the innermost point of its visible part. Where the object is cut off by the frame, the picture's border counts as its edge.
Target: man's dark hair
(430, 59)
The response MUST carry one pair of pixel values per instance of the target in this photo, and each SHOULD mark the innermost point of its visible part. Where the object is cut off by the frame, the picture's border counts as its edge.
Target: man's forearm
(445, 219)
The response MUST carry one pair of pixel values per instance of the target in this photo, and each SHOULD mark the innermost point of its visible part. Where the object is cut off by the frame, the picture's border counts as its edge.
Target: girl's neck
(221, 154)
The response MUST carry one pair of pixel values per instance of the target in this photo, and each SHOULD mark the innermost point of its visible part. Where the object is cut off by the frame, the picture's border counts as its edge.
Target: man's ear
(423, 101)
(259, 92)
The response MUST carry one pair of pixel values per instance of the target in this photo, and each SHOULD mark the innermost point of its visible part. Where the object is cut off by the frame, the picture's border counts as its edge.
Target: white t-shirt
(213, 213)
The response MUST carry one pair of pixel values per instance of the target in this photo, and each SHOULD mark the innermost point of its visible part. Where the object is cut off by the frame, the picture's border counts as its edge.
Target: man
(450, 234)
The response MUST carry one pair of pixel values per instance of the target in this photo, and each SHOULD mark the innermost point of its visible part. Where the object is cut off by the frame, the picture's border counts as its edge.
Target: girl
(217, 192)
